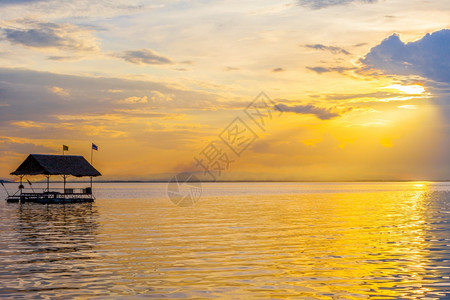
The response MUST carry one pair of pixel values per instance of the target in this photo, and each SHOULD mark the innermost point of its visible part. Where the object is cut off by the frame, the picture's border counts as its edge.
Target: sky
(230, 90)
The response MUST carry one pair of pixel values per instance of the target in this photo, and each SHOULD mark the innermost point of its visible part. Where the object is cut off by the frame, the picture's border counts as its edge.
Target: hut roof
(37, 164)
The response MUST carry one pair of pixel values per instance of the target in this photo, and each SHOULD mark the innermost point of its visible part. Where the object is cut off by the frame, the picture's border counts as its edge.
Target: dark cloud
(63, 58)
(428, 57)
(26, 95)
(276, 70)
(9, 145)
(44, 37)
(145, 56)
(50, 35)
(318, 4)
(321, 113)
(320, 70)
(332, 49)
(94, 106)
(15, 2)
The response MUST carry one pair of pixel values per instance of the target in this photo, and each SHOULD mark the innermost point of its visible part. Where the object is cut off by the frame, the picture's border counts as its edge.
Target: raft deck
(49, 197)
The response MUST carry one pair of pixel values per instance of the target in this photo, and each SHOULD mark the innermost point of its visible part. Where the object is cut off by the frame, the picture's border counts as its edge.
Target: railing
(40, 195)
(67, 191)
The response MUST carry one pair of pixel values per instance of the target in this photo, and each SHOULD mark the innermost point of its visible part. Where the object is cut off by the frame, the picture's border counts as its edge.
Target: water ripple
(360, 241)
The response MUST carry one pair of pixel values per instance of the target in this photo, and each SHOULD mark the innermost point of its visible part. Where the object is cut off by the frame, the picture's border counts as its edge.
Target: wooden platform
(51, 197)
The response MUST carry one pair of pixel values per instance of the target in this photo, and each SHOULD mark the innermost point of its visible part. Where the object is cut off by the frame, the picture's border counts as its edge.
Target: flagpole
(92, 154)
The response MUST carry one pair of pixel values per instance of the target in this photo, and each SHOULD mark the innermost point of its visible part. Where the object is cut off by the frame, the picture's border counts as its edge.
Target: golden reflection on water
(368, 243)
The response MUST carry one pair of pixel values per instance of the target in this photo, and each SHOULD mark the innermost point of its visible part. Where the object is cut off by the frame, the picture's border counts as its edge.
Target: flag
(65, 148)
(94, 147)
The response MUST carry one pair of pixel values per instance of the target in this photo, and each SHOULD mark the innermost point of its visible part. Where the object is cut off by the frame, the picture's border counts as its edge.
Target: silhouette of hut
(50, 165)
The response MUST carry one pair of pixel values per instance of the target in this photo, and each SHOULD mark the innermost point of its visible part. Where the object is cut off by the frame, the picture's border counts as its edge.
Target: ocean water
(240, 241)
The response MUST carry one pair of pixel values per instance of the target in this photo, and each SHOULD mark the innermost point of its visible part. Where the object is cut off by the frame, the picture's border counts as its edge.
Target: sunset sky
(364, 86)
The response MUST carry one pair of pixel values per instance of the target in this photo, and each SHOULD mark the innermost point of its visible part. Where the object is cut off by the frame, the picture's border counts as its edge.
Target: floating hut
(49, 165)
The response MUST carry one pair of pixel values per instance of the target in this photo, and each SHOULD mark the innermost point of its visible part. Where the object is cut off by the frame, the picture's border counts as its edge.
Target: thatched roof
(40, 164)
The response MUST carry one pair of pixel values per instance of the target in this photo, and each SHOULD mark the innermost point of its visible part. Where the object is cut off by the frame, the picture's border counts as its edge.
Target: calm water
(240, 241)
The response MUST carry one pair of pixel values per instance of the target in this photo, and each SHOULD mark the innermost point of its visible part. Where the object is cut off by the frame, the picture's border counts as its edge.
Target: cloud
(63, 58)
(373, 97)
(59, 91)
(114, 91)
(277, 70)
(21, 146)
(27, 124)
(320, 70)
(158, 97)
(33, 34)
(65, 9)
(25, 96)
(155, 98)
(134, 100)
(16, 2)
(145, 57)
(360, 96)
(228, 69)
(332, 49)
(428, 57)
(321, 113)
(407, 106)
(318, 4)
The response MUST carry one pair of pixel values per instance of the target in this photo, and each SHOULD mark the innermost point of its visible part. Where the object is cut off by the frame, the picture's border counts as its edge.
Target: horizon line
(243, 181)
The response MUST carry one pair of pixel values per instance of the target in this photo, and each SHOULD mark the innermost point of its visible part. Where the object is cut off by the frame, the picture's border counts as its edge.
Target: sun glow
(413, 89)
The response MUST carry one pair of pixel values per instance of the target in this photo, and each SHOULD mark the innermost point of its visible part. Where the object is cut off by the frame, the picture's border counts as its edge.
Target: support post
(92, 156)
(48, 183)
(20, 184)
